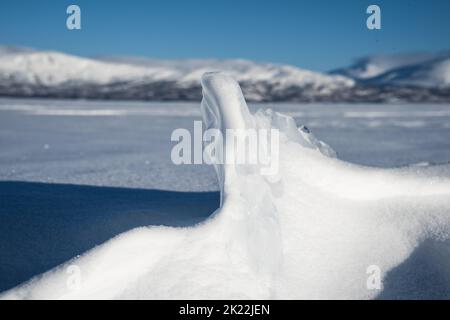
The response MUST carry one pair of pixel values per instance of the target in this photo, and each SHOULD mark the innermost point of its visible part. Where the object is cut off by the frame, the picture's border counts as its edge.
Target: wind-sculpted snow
(311, 231)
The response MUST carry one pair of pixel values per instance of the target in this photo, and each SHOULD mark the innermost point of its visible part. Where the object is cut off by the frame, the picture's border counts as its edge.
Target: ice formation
(312, 231)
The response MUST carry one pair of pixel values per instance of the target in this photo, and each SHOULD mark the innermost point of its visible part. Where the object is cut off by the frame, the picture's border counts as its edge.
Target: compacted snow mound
(312, 230)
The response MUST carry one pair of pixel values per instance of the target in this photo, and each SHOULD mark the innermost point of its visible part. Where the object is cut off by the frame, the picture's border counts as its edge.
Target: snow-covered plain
(127, 144)
(311, 234)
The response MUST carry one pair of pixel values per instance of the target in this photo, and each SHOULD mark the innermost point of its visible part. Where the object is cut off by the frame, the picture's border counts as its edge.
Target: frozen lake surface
(127, 144)
(74, 174)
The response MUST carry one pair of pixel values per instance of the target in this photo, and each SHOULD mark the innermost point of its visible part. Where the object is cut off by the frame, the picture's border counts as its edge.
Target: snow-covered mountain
(416, 70)
(434, 74)
(50, 73)
(34, 73)
(373, 66)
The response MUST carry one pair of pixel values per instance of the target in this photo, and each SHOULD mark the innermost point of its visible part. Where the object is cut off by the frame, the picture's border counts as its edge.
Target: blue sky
(318, 35)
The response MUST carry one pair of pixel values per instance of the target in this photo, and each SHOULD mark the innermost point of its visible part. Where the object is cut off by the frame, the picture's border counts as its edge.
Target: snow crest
(311, 232)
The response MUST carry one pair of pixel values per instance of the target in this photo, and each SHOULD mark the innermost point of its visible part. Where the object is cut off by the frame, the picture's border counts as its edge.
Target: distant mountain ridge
(27, 72)
(419, 70)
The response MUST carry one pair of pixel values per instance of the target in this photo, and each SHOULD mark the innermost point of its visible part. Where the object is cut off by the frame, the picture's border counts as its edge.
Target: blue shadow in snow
(43, 225)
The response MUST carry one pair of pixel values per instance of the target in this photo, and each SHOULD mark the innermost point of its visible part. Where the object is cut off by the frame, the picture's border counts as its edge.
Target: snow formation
(311, 231)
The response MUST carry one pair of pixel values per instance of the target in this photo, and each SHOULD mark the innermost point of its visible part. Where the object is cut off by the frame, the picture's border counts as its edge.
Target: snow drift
(310, 231)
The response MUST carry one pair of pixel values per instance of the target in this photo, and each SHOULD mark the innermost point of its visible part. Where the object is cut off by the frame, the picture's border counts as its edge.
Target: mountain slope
(53, 73)
(434, 73)
(417, 70)
(26, 72)
(373, 66)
